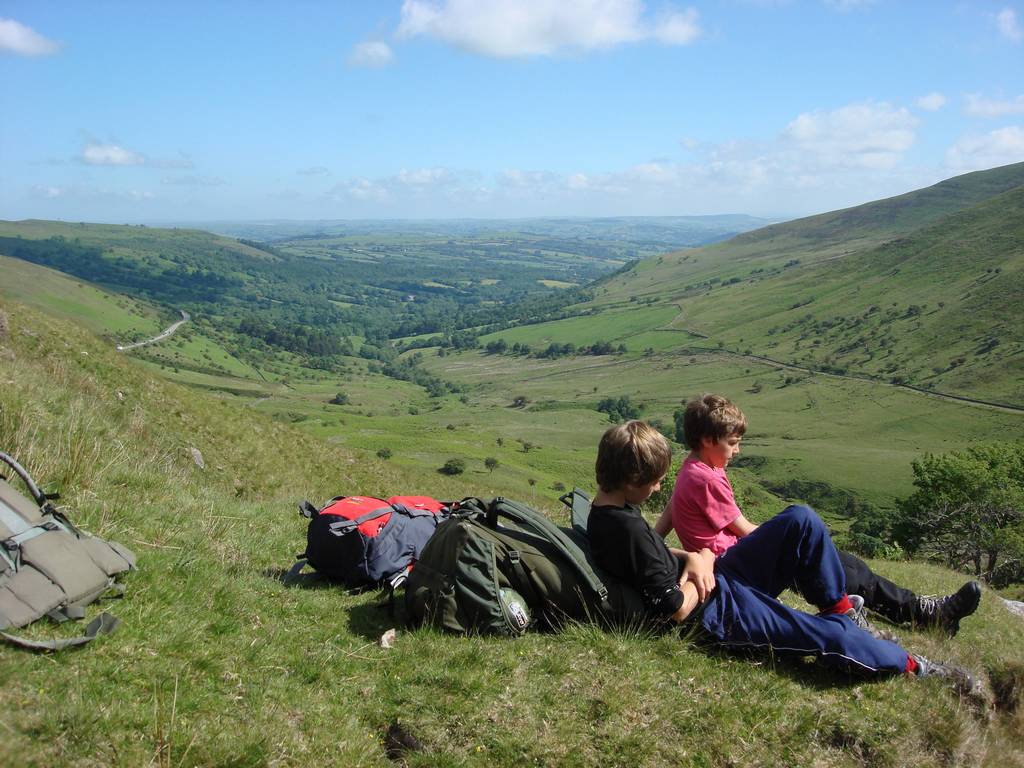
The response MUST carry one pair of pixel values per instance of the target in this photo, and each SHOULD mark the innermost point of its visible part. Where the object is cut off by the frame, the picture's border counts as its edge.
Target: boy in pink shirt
(703, 509)
(705, 515)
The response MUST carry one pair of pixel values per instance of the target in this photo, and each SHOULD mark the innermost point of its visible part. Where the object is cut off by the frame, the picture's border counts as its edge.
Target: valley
(853, 340)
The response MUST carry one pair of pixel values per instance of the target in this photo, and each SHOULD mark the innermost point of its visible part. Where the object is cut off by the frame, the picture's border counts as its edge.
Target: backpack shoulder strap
(104, 624)
(343, 526)
(534, 522)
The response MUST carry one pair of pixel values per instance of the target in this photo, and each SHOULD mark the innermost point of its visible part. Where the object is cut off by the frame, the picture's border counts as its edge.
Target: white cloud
(24, 41)
(110, 154)
(932, 102)
(868, 135)
(521, 28)
(371, 55)
(1009, 27)
(678, 28)
(978, 106)
(978, 152)
(362, 189)
(578, 181)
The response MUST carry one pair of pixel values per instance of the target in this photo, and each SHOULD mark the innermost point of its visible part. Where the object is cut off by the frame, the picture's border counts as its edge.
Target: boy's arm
(664, 524)
(741, 526)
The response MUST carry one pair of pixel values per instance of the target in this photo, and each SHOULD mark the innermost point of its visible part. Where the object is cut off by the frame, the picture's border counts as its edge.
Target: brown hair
(711, 417)
(634, 453)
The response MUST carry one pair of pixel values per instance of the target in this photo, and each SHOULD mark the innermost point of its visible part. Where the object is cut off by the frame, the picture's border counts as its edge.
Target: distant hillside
(903, 213)
(667, 232)
(923, 289)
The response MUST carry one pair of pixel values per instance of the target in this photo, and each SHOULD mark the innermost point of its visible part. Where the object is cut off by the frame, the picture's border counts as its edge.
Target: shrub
(968, 510)
(453, 467)
(384, 453)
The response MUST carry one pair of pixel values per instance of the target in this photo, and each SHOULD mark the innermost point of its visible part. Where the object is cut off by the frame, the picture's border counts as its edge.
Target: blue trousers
(793, 549)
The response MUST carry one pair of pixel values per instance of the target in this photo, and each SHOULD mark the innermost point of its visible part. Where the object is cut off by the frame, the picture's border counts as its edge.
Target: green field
(581, 331)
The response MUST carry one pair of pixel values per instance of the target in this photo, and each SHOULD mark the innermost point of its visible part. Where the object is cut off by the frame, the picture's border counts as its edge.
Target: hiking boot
(962, 681)
(946, 612)
(859, 615)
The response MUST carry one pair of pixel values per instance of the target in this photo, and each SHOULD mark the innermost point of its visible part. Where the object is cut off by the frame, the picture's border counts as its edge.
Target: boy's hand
(700, 570)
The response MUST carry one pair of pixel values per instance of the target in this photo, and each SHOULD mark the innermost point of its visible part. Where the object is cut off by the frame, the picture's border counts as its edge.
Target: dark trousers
(880, 595)
(792, 549)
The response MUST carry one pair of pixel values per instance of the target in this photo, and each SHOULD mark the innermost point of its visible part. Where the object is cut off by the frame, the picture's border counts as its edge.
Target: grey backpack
(48, 567)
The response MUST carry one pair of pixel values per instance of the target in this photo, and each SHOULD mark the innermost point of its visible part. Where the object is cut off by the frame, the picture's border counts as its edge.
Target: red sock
(842, 605)
(911, 668)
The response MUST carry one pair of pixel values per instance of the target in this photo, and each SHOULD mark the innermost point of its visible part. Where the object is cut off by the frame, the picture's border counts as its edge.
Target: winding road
(168, 331)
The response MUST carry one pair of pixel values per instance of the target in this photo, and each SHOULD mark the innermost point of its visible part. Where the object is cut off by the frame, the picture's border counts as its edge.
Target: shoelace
(930, 603)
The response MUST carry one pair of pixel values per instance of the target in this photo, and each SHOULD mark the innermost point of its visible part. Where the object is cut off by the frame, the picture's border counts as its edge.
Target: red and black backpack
(362, 541)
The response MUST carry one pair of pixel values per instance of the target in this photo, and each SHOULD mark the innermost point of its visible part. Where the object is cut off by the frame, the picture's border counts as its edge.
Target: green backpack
(48, 567)
(488, 559)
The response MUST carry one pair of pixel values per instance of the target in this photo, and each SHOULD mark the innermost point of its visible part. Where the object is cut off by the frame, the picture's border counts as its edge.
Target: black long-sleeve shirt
(625, 545)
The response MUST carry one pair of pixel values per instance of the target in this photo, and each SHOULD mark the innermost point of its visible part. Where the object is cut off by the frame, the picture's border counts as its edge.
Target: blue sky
(145, 111)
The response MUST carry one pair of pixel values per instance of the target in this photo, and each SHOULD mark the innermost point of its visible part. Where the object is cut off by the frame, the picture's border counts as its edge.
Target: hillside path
(168, 331)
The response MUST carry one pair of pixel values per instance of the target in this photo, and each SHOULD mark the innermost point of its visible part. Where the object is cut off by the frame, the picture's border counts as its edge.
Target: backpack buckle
(513, 556)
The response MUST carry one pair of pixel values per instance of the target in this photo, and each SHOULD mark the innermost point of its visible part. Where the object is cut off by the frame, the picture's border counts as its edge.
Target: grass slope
(100, 311)
(218, 664)
(922, 288)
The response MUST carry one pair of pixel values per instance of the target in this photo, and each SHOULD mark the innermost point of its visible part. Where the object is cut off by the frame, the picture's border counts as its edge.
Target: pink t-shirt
(702, 507)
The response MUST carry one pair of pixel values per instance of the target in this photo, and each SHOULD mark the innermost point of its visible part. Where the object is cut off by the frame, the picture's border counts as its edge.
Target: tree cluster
(968, 511)
(619, 409)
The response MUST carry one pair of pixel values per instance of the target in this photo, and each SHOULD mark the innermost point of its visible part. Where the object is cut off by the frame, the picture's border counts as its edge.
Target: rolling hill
(924, 289)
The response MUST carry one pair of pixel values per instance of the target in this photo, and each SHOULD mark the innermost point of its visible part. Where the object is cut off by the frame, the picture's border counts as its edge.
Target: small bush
(453, 467)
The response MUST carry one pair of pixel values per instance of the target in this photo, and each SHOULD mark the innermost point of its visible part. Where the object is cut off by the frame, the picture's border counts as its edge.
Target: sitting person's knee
(802, 515)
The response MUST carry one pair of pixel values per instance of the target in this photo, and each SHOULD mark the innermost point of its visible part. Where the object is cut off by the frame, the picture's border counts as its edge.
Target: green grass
(218, 664)
(98, 310)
